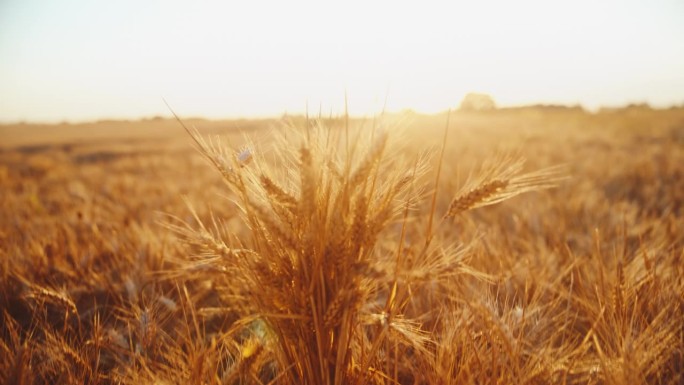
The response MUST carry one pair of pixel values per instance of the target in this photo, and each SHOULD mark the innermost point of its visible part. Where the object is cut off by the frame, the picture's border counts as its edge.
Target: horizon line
(305, 114)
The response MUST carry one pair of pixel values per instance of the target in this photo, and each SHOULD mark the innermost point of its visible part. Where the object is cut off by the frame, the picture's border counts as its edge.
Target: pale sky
(79, 60)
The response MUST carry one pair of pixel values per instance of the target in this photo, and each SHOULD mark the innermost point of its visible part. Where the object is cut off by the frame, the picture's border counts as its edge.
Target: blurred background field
(615, 156)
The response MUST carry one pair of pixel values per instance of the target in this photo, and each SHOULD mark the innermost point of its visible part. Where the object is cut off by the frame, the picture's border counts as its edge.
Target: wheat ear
(500, 180)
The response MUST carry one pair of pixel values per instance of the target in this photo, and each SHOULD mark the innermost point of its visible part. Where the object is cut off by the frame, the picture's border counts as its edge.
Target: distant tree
(477, 102)
(638, 107)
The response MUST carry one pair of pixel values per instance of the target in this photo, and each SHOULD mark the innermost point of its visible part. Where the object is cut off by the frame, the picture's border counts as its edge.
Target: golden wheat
(313, 258)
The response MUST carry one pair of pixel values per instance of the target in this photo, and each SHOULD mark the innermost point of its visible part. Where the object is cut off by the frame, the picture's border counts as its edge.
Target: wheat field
(534, 245)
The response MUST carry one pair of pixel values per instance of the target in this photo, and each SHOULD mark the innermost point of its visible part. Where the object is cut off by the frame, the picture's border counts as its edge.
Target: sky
(79, 60)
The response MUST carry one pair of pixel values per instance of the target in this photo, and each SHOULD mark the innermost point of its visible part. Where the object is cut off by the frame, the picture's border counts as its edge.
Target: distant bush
(477, 102)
